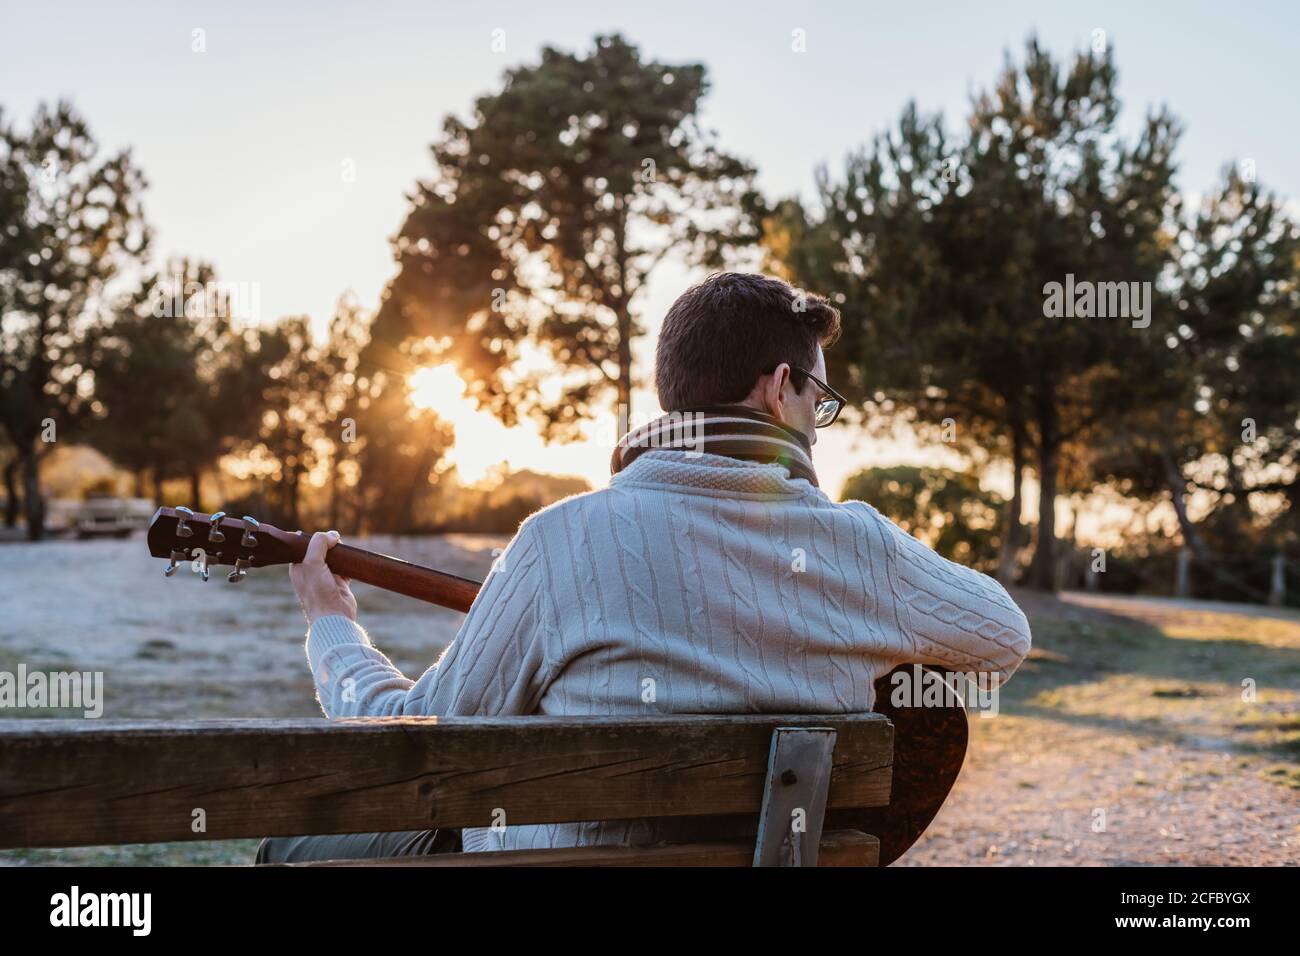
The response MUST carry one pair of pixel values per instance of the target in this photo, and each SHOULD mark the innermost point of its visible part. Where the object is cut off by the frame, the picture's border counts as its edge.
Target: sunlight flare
(439, 388)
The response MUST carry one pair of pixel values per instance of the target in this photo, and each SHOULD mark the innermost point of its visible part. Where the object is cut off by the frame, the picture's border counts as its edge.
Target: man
(712, 575)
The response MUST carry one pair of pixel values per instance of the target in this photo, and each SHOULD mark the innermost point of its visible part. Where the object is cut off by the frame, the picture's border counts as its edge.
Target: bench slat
(838, 848)
(80, 783)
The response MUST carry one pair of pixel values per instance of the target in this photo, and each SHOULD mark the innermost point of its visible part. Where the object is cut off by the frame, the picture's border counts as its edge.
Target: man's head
(737, 339)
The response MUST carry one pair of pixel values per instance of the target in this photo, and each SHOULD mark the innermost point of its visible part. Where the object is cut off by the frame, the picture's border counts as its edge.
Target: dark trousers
(357, 846)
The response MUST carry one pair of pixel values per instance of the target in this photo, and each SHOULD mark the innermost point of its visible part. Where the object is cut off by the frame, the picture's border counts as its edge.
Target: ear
(774, 391)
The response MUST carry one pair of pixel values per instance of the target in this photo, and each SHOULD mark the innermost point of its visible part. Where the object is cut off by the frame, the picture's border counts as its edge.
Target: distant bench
(816, 789)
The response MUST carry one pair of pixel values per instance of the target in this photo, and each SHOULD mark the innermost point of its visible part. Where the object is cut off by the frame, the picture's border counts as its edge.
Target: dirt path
(1125, 741)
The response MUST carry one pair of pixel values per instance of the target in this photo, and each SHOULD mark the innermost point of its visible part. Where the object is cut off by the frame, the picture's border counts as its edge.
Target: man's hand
(320, 590)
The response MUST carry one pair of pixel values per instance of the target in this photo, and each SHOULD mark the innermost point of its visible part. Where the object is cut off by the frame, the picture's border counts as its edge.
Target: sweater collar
(732, 431)
(716, 473)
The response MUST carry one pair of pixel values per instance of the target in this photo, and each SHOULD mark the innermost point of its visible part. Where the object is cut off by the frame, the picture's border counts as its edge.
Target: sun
(438, 388)
(482, 444)
(480, 438)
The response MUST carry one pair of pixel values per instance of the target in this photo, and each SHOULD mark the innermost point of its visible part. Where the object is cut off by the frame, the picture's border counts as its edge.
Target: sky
(282, 150)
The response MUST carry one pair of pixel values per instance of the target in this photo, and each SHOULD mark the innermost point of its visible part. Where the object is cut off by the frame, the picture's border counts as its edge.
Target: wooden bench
(815, 789)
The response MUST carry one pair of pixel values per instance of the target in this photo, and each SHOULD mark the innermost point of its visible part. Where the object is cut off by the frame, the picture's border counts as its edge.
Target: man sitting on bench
(713, 575)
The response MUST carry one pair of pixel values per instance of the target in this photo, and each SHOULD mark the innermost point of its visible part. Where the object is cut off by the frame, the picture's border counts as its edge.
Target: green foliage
(177, 382)
(549, 209)
(304, 403)
(939, 253)
(553, 202)
(946, 509)
(70, 223)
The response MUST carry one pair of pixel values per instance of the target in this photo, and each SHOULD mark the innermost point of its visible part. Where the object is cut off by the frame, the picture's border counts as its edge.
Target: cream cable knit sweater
(693, 583)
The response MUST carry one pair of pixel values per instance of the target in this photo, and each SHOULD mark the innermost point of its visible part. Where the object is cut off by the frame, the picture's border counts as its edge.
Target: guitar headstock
(181, 535)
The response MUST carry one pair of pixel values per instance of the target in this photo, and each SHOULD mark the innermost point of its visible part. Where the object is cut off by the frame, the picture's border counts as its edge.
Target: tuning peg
(214, 528)
(175, 558)
(183, 530)
(240, 572)
(250, 525)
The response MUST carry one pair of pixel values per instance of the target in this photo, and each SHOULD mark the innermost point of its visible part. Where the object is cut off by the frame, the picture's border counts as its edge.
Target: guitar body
(929, 742)
(929, 750)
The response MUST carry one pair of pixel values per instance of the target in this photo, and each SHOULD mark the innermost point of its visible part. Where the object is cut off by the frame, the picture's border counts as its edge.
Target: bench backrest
(74, 783)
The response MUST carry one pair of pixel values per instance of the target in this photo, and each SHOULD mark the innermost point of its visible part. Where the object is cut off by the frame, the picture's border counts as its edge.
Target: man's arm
(956, 617)
(496, 665)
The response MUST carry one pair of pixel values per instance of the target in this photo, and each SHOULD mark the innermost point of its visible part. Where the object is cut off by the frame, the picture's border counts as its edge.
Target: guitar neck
(402, 577)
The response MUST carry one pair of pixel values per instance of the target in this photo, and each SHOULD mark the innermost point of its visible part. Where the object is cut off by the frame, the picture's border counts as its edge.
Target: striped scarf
(734, 431)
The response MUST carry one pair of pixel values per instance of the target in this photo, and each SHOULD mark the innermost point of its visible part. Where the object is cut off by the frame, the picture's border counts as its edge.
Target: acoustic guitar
(929, 741)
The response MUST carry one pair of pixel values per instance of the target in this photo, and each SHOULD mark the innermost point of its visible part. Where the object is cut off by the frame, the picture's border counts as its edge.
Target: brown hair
(733, 327)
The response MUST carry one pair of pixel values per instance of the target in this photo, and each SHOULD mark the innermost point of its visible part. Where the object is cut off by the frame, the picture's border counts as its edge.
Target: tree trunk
(623, 314)
(13, 501)
(158, 477)
(1042, 570)
(624, 412)
(289, 499)
(424, 463)
(333, 517)
(195, 481)
(1065, 559)
(1178, 492)
(32, 500)
(1013, 537)
(295, 510)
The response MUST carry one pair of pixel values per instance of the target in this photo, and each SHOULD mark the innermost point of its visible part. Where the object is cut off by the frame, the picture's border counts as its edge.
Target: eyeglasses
(827, 409)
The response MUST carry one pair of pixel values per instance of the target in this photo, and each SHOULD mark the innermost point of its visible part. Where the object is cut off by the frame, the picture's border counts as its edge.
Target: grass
(1209, 680)
(205, 853)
